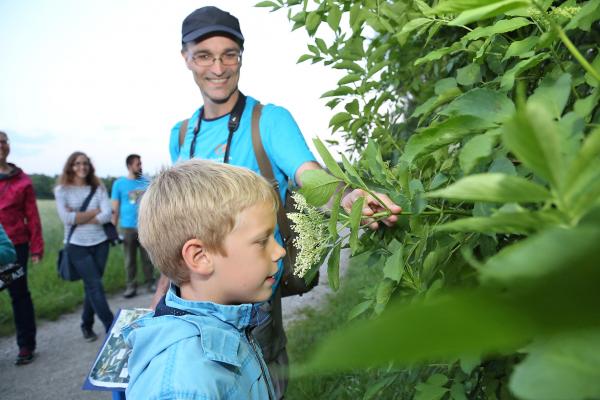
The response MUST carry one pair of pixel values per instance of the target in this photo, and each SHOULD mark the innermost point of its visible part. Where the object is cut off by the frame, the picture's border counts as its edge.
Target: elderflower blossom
(310, 225)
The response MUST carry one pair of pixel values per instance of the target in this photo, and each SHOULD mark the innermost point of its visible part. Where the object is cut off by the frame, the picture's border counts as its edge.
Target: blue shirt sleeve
(283, 141)
(115, 192)
(174, 142)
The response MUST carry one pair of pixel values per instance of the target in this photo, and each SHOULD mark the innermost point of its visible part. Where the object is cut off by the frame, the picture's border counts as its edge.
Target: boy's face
(246, 274)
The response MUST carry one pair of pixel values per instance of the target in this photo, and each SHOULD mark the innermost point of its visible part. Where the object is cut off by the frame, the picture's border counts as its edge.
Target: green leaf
(426, 391)
(553, 94)
(340, 91)
(304, 57)
(487, 104)
(321, 45)
(339, 119)
(520, 47)
(475, 321)
(487, 11)
(355, 218)
(352, 107)
(414, 24)
(437, 54)
(333, 267)
(349, 65)
(394, 264)
(498, 188)
(359, 309)
(550, 251)
(333, 18)
(582, 184)
(313, 20)
(520, 223)
(469, 75)
(318, 186)
(566, 366)
(588, 14)
(349, 79)
(384, 292)
(477, 149)
(352, 173)
(328, 159)
(267, 4)
(335, 210)
(502, 26)
(442, 134)
(535, 139)
(457, 392)
(508, 79)
(435, 102)
(381, 384)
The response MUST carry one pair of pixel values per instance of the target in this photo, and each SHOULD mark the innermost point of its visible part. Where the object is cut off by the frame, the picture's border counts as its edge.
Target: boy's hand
(372, 206)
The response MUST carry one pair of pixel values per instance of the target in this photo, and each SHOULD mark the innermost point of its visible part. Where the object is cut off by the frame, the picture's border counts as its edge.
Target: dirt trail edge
(63, 358)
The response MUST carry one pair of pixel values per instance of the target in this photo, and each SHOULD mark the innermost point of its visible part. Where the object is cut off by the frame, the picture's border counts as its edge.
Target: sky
(107, 78)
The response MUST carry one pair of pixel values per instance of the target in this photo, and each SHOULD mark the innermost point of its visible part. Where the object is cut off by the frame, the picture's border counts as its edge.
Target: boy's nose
(279, 252)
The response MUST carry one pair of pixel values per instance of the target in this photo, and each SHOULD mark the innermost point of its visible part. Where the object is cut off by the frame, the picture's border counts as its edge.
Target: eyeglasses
(228, 59)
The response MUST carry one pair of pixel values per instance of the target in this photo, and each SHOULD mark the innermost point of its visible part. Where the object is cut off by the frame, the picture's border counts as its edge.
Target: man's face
(247, 273)
(136, 167)
(216, 82)
(4, 147)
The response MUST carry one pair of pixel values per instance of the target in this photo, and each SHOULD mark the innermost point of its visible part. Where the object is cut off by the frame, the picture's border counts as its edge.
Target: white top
(68, 202)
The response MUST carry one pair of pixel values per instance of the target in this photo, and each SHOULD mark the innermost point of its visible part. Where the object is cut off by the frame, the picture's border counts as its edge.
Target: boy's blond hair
(196, 199)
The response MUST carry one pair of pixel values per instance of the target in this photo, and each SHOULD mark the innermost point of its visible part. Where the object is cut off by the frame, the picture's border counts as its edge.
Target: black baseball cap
(210, 20)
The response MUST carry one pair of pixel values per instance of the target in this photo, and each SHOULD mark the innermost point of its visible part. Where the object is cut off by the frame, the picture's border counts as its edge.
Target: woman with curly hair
(87, 243)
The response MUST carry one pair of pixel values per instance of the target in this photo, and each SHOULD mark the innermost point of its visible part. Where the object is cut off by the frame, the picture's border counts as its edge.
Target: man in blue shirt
(126, 194)
(212, 45)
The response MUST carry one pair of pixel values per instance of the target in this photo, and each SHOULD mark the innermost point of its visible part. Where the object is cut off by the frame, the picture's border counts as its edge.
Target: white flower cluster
(310, 225)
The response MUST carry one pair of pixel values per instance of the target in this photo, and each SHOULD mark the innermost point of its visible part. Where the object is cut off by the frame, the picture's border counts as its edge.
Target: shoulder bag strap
(85, 205)
(182, 131)
(266, 170)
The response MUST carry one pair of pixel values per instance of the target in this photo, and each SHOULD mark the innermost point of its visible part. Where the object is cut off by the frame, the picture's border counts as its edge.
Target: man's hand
(35, 258)
(372, 206)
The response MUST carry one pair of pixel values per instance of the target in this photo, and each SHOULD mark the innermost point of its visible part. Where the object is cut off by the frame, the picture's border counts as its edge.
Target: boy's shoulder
(194, 359)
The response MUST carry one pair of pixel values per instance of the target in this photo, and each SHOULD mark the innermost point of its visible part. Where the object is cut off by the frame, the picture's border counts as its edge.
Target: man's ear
(196, 258)
(184, 54)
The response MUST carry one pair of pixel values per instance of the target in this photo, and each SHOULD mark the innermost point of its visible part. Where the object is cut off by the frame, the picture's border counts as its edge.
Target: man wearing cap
(220, 130)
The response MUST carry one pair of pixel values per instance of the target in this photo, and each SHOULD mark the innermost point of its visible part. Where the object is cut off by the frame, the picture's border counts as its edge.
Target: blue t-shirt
(128, 192)
(281, 137)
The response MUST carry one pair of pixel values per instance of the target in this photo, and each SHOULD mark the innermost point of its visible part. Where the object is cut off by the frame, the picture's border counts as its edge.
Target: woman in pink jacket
(20, 218)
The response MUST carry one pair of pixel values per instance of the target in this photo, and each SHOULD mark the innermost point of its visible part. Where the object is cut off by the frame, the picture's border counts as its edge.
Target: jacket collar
(219, 343)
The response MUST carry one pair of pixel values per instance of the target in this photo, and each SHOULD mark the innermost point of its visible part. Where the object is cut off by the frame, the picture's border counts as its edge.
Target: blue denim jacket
(201, 351)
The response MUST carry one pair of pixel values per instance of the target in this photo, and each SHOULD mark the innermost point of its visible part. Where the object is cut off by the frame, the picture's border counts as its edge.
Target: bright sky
(107, 78)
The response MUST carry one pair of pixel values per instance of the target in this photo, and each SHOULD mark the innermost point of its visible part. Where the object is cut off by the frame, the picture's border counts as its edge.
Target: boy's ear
(196, 258)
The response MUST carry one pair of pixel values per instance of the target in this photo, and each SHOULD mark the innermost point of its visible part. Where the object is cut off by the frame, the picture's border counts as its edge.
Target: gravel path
(64, 358)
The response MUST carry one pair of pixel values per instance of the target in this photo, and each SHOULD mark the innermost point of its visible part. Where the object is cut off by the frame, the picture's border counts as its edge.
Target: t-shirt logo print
(220, 149)
(134, 196)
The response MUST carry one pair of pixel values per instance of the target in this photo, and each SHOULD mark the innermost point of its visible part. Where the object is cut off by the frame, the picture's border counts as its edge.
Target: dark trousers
(90, 262)
(131, 244)
(21, 303)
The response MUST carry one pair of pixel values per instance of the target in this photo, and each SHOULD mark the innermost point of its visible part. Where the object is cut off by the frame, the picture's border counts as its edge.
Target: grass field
(51, 295)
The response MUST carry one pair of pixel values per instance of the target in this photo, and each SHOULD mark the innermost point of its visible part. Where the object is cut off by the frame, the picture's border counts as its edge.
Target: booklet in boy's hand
(109, 371)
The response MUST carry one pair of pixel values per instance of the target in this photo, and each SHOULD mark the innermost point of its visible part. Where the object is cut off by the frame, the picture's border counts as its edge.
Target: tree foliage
(481, 119)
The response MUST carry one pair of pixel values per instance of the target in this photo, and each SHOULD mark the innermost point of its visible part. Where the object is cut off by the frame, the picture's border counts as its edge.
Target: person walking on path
(21, 220)
(125, 196)
(88, 245)
(221, 130)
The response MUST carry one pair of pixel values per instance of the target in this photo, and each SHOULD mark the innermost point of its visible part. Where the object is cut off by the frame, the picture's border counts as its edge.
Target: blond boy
(210, 229)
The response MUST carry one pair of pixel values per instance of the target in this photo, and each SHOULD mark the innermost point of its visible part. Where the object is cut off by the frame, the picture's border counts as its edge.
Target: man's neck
(5, 168)
(131, 175)
(214, 110)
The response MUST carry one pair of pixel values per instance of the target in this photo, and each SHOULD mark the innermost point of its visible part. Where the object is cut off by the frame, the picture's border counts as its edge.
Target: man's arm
(115, 212)
(371, 205)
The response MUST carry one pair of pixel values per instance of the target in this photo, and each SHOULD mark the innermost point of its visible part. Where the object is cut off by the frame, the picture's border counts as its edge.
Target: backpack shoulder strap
(182, 130)
(266, 170)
